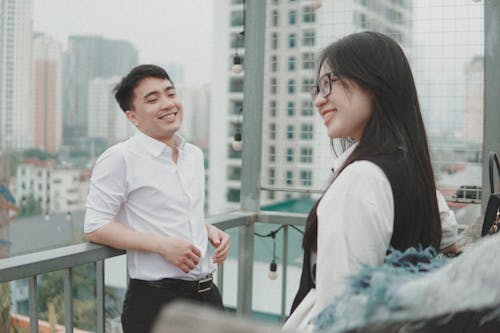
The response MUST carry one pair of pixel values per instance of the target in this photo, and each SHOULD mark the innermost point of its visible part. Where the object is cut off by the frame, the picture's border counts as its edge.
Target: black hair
(378, 64)
(124, 90)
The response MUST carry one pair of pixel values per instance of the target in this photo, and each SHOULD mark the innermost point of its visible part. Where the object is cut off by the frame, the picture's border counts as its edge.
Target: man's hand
(221, 241)
(180, 253)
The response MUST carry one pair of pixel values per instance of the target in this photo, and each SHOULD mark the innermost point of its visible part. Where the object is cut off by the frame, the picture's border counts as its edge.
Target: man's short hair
(124, 90)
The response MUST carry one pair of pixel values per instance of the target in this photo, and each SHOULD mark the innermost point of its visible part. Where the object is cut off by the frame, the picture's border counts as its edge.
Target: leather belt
(198, 286)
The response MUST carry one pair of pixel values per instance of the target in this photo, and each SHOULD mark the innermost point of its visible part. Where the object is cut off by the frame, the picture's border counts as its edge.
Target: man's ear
(132, 117)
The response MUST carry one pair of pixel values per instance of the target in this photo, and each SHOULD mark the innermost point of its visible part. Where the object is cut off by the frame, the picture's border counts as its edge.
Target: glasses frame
(317, 89)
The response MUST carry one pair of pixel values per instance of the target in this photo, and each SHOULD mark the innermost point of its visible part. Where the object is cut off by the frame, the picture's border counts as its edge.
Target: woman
(383, 192)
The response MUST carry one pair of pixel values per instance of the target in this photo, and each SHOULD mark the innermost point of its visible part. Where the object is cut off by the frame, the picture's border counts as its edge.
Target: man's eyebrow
(154, 92)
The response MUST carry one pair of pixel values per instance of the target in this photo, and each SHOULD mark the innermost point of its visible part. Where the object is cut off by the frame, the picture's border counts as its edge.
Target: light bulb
(273, 274)
(236, 144)
(237, 66)
(316, 4)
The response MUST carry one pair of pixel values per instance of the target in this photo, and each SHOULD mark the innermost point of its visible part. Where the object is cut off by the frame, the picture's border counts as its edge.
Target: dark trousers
(143, 303)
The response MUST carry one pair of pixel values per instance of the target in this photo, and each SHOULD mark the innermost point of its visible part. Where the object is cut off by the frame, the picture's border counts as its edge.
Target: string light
(237, 144)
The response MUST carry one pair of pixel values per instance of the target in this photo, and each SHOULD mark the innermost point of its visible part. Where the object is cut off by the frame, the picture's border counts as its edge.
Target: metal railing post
(253, 92)
(33, 306)
(100, 294)
(491, 134)
(284, 273)
(68, 299)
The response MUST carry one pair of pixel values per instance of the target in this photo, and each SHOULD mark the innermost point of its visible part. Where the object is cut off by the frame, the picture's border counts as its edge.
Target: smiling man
(147, 197)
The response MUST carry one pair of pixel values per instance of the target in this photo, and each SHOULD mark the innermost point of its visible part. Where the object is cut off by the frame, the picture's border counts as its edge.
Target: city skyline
(164, 31)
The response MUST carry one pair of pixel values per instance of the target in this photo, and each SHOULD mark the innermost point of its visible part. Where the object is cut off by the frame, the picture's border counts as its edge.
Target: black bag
(491, 222)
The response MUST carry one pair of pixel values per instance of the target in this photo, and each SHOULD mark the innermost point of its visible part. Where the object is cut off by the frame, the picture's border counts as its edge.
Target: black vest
(394, 167)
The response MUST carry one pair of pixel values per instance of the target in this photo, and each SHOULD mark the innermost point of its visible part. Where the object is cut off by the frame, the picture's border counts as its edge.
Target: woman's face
(346, 109)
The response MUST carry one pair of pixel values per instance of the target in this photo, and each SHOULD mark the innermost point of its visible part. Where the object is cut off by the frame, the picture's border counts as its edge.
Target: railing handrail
(27, 265)
(35, 263)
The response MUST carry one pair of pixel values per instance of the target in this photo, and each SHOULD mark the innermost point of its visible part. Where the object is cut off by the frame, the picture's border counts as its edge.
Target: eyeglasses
(323, 87)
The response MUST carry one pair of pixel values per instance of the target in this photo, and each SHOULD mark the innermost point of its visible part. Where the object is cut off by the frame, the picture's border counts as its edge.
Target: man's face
(156, 109)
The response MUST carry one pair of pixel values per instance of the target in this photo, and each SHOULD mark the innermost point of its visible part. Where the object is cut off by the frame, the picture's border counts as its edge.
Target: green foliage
(5, 305)
(40, 154)
(51, 291)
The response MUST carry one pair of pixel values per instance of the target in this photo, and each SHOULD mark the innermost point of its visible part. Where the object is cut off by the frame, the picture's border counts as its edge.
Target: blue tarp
(6, 194)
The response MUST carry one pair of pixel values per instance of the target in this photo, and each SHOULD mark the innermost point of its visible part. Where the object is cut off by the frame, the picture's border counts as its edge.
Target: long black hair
(378, 64)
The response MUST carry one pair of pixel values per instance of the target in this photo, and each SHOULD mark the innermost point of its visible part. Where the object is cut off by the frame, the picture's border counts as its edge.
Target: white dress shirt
(137, 183)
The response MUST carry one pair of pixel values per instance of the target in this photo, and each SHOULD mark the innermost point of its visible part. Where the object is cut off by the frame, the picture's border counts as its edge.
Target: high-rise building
(296, 155)
(474, 101)
(47, 66)
(91, 57)
(106, 121)
(16, 116)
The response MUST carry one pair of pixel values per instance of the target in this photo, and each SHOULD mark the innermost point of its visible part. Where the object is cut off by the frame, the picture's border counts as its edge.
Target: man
(147, 197)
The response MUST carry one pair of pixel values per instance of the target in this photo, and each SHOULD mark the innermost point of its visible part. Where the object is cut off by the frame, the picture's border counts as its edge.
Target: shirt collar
(155, 147)
(343, 157)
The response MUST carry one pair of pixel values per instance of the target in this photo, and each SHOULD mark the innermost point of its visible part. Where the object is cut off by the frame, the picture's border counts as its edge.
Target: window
(271, 175)
(291, 108)
(234, 173)
(289, 177)
(308, 15)
(307, 108)
(274, 40)
(306, 177)
(291, 86)
(291, 41)
(236, 85)
(309, 38)
(306, 131)
(289, 154)
(274, 18)
(272, 108)
(307, 85)
(272, 131)
(306, 155)
(292, 17)
(233, 195)
(274, 63)
(308, 60)
(274, 87)
(236, 106)
(237, 18)
(290, 132)
(272, 153)
(291, 64)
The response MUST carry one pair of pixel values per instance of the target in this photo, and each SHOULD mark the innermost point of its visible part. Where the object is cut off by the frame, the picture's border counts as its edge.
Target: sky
(163, 31)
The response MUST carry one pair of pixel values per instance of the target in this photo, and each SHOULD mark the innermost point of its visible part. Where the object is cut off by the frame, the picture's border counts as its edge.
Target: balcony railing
(65, 259)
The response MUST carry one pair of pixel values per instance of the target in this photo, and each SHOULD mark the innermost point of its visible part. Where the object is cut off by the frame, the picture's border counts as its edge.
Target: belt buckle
(209, 278)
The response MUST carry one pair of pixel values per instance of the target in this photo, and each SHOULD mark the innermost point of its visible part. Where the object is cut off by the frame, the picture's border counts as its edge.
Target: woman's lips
(327, 116)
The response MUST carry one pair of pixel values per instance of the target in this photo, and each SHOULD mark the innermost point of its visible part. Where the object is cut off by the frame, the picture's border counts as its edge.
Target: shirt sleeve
(449, 225)
(107, 189)
(355, 224)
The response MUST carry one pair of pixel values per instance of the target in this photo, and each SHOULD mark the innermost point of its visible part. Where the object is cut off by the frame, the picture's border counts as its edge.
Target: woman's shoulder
(363, 169)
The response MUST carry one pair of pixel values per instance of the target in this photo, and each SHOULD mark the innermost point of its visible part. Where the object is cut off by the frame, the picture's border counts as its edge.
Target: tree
(5, 306)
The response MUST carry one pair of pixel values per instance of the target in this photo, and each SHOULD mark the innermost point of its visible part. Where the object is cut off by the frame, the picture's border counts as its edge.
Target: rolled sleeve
(107, 189)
